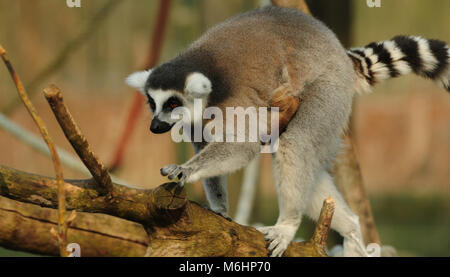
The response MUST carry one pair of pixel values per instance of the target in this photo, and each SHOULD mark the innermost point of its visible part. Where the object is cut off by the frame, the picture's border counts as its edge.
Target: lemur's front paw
(174, 171)
(279, 237)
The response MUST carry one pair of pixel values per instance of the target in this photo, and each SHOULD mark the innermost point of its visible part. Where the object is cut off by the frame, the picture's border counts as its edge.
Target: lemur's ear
(138, 80)
(198, 85)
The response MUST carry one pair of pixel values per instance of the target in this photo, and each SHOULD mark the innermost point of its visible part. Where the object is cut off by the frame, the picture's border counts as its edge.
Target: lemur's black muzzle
(160, 127)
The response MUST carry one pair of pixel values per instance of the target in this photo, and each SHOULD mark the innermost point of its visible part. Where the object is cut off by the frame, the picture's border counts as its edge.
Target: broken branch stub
(77, 139)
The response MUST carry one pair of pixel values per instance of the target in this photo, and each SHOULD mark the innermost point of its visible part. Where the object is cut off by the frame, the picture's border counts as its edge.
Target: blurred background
(402, 129)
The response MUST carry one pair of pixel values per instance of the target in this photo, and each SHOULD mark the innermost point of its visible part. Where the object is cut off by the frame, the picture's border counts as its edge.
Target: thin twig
(77, 139)
(62, 223)
(159, 32)
(63, 56)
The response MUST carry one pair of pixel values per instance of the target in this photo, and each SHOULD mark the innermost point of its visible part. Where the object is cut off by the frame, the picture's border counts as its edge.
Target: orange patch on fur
(287, 104)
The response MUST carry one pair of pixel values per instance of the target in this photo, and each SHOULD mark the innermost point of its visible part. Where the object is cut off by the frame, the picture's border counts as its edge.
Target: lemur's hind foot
(279, 237)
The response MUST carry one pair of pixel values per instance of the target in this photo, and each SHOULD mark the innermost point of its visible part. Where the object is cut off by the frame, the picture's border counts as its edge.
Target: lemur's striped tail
(401, 56)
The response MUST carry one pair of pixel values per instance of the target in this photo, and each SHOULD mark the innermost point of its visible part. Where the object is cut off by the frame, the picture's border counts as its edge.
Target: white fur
(397, 55)
(138, 80)
(160, 97)
(370, 55)
(195, 106)
(361, 84)
(379, 69)
(280, 236)
(428, 60)
(362, 59)
(198, 85)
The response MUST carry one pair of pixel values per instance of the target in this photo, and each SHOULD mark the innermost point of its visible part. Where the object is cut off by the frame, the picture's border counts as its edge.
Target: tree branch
(77, 139)
(347, 173)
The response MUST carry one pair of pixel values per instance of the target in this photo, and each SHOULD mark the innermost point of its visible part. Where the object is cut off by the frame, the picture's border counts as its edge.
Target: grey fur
(246, 58)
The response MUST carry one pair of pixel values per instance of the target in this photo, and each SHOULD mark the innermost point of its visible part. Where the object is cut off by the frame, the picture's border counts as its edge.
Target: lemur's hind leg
(344, 220)
(306, 147)
(294, 175)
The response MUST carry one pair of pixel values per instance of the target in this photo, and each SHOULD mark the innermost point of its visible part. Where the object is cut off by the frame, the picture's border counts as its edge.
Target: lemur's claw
(279, 237)
(176, 172)
(224, 215)
(221, 214)
(167, 170)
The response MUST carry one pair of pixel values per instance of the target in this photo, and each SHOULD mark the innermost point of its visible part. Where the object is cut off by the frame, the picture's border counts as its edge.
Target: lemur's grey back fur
(244, 56)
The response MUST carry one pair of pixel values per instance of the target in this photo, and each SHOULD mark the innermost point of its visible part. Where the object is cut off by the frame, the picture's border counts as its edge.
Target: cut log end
(170, 196)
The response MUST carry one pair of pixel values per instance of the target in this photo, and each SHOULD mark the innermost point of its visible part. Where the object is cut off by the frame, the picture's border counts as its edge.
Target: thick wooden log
(175, 226)
(26, 227)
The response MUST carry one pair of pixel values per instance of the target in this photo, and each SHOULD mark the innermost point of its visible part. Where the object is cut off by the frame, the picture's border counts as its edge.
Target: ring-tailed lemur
(245, 62)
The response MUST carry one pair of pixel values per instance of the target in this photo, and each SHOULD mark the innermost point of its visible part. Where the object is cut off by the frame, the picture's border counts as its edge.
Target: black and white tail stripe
(399, 56)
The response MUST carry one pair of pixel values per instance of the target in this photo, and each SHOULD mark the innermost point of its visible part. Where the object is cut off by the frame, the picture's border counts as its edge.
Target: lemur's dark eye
(174, 106)
(151, 102)
(173, 103)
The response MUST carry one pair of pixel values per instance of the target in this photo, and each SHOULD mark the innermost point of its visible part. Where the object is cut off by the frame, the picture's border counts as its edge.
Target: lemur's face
(163, 102)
